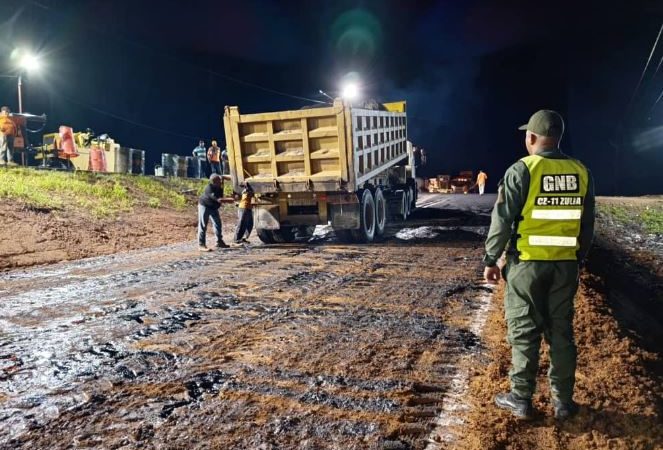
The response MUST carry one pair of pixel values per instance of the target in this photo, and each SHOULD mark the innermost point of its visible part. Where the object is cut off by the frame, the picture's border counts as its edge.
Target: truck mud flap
(344, 216)
(267, 218)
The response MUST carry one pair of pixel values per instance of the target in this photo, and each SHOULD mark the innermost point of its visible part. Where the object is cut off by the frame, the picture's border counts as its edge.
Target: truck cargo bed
(329, 149)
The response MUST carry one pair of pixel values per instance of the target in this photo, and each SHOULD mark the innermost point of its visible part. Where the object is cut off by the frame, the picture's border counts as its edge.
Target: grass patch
(100, 194)
(648, 218)
(160, 190)
(652, 219)
(618, 213)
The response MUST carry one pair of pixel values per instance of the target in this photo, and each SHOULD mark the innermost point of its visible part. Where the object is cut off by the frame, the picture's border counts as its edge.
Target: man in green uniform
(545, 212)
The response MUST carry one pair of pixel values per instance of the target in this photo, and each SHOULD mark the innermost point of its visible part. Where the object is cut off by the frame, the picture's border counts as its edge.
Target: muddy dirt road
(311, 345)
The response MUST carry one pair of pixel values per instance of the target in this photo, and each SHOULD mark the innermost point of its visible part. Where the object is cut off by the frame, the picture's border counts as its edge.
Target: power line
(256, 86)
(644, 71)
(656, 102)
(658, 66)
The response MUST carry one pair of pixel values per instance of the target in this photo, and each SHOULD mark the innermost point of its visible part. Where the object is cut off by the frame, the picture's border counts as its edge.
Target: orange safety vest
(7, 126)
(213, 154)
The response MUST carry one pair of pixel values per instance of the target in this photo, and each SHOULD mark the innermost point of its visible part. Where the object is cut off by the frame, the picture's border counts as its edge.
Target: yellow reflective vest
(550, 224)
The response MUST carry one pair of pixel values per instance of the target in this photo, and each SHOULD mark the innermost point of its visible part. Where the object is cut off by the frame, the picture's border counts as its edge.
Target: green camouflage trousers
(539, 301)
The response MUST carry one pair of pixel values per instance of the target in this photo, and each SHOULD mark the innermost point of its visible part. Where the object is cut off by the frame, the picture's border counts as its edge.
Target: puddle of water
(432, 232)
(454, 404)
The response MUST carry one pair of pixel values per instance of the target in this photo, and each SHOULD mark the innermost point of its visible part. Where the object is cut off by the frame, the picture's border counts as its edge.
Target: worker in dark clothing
(545, 209)
(208, 208)
(245, 216)
(225, 167)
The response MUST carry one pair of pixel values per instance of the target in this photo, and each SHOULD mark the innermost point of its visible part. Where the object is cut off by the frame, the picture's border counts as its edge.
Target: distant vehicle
(348, 166)
(463, 182)
(440, 184)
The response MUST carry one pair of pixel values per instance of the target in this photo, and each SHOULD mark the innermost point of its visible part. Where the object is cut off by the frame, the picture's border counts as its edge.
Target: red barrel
(97, 159)
(67, 144)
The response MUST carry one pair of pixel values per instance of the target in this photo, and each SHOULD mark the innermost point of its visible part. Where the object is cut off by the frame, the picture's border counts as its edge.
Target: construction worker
(8, 132)
(545, 208)
(208, 208)
(214, 158)
(481, 181)
(200, 155)
(244, 216)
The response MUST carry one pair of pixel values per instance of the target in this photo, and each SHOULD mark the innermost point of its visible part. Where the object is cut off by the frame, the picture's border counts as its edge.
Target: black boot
(565, 410)
(520, 407)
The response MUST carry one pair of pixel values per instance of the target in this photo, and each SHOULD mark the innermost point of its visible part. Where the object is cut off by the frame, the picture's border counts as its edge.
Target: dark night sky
(156, 74)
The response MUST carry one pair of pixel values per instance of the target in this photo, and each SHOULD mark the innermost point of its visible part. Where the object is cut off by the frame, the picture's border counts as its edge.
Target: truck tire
(415, 194)
(413, 199)
(283, 235)
(380, 213)
(366, 231)
(405, 210)
(265, 236)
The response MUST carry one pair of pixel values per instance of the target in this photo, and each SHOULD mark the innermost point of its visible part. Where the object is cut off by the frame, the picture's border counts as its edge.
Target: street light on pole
(27, 63)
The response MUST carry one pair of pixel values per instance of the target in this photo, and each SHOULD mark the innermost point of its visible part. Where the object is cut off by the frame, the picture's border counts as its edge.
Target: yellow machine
(84, 142)
(342, 165)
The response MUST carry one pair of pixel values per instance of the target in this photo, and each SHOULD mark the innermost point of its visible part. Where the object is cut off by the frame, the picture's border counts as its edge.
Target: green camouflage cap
(545, 123)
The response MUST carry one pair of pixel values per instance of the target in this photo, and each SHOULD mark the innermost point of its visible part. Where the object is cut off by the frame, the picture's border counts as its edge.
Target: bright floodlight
(350, 91)
(30, 63)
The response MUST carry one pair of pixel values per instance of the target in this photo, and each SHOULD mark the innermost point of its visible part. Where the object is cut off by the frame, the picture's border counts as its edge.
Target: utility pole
(20, 96)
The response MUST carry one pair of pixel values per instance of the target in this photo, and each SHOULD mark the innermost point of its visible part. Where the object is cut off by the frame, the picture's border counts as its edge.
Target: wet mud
(311, 345)
(619, 380)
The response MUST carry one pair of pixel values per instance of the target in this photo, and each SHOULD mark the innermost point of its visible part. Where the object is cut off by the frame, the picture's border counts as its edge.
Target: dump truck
(346, 166)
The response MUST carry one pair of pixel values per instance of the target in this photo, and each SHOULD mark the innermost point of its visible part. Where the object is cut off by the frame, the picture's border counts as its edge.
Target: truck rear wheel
(405, 210)
(265, 236)
(366, 231)
(415, 194)
(413, 200)
(283, 235)
(380, 213)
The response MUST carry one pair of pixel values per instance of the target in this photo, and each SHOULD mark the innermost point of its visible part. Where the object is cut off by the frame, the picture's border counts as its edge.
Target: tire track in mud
(281, 347)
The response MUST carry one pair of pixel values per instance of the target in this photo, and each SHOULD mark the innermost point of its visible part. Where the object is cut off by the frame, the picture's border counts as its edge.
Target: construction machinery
(439, 184)
(347, 166)
(71, 150)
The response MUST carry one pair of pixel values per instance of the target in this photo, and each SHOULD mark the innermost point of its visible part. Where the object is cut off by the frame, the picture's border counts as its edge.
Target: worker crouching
(244, 216)
(208, 208)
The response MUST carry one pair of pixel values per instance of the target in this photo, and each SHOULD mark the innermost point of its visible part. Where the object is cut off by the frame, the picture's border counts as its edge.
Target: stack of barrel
(122, 163)
(168, 164)
(181, 166)
(137, 158)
